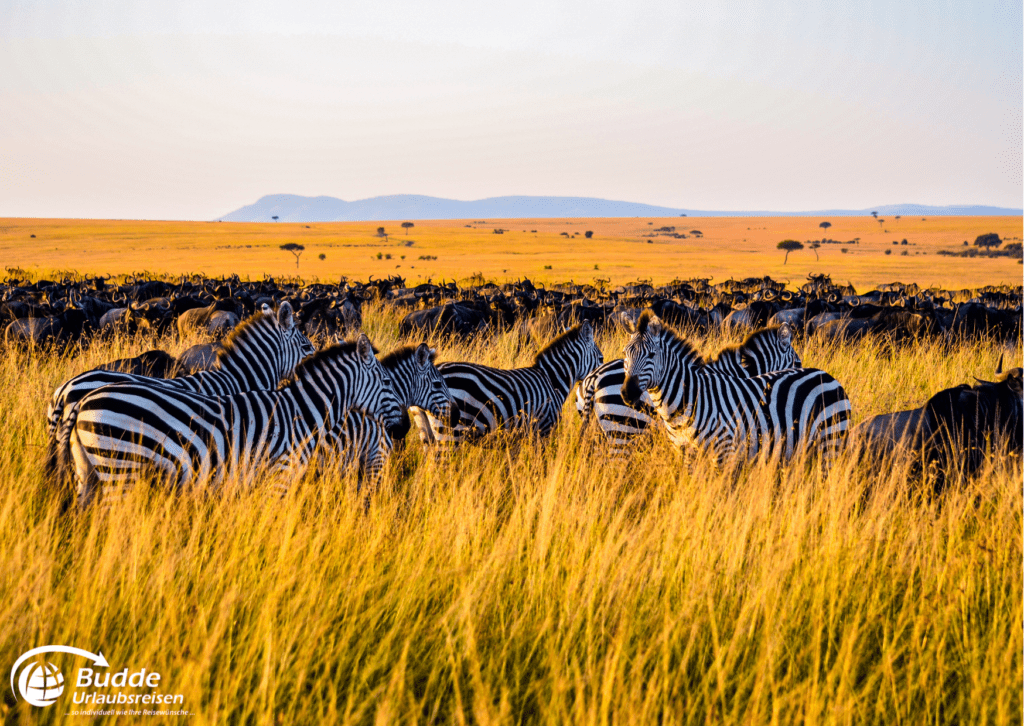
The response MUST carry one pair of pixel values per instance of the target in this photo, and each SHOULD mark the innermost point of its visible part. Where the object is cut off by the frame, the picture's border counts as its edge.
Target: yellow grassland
(619, 250)
(522, 581)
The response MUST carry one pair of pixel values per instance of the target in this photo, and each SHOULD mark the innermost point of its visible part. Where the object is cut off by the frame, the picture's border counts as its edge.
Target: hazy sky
(188, 110)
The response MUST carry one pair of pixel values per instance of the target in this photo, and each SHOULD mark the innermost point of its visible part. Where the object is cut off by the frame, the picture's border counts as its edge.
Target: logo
(40, 684)
(91, 692)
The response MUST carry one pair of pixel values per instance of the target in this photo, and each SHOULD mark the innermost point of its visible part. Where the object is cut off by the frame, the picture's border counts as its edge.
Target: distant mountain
(294, 208)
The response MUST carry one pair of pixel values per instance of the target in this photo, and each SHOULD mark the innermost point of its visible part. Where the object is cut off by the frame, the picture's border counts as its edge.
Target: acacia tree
(789, 245)
(880, 222)
(825, 225)
(295, 249)
(814, 247)
(406, 226)
(875, 215)
(382, 233)
(274, 218)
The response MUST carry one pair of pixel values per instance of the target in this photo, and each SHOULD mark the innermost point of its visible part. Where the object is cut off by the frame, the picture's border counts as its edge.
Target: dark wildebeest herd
(955, 427)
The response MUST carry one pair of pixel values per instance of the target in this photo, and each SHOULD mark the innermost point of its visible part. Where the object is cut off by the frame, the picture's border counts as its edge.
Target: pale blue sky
(188, 110)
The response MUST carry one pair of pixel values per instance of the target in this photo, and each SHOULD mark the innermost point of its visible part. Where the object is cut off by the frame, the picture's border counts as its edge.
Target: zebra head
(643, 358)
(292, 333)
(419, 384)
(768, 350)
(373, 387)
(265, 348)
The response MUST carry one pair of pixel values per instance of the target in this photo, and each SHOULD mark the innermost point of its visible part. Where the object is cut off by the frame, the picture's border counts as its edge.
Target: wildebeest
(956, 427)
(218, 319)
(152, 363)
(61, 329)
(200, 357)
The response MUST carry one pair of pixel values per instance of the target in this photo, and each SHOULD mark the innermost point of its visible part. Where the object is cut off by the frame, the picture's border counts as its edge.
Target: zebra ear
(785, 332)
(654, 327)
(364, 348)
(587, 331)
(266, 309)
(284, 315)
(423, 355)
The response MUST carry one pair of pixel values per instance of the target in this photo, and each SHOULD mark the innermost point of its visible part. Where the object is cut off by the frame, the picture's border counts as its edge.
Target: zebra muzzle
(631, 391)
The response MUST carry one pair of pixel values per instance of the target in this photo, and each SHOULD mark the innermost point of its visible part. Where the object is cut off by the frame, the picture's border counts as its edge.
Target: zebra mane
(243, 332)
(561, 342)
(330, 353)
(398, 356)
(749, 340)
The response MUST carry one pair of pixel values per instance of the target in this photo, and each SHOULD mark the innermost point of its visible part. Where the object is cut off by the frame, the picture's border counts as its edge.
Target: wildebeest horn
(999, 367)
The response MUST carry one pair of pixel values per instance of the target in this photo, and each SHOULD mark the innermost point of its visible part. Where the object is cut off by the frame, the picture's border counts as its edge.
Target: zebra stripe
(532, 398)
(359, 439)
(776, 413)
(600, 393)
(124, 429)
(257, 355)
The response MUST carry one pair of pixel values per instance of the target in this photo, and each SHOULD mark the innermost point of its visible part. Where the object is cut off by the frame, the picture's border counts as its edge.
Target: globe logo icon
(41, 683)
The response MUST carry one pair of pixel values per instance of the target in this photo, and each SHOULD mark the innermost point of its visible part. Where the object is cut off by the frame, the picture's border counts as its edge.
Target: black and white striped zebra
(600, 393)
(775, 414)
(519, 398)
(360, 439)
(257, 356)
(123, 430)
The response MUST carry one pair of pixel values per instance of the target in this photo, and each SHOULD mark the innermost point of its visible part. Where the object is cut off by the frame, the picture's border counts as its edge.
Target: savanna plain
(519, 580)
(863, 251)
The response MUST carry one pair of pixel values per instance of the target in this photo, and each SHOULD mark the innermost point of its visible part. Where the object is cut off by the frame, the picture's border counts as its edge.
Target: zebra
(775, 413)
(600, 393)
(527, 398)
(360, 438)
(124, 429)
(257, 355)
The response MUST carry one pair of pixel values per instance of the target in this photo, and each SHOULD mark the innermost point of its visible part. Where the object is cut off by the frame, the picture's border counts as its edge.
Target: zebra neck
(675, 392)
(401, 379)
(317, 407)
(254, 375)
(560, 372)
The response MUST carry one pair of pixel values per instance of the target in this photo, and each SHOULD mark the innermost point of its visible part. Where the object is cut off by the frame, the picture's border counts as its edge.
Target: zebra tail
(63, 460)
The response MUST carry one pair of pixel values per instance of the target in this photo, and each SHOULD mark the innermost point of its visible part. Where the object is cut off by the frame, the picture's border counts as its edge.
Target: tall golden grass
(519, 580)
